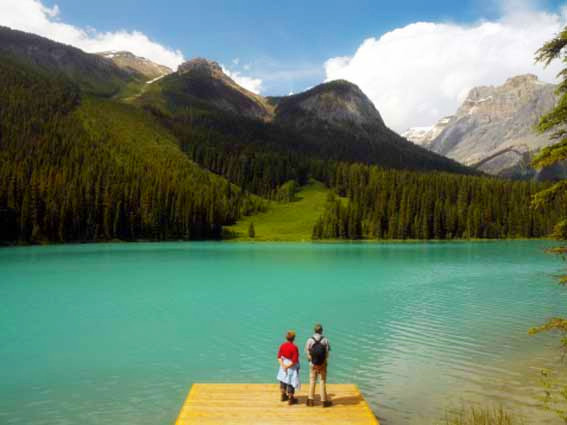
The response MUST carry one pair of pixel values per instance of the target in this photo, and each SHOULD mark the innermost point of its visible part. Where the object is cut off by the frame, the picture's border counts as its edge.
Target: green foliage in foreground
(482, 416)
(555, 123)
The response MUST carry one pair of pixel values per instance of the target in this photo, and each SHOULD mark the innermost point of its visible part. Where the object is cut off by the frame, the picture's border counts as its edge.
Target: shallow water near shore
(116, 333)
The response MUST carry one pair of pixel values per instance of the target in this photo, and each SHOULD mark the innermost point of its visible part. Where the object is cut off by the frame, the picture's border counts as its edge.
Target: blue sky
(290, 39)
(416, 60)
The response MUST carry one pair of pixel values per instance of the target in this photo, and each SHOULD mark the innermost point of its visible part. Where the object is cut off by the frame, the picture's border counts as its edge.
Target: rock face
(336, 103)
(136, 65)
(201, 67)
(348, 126)
(493, 128)
(203, 82)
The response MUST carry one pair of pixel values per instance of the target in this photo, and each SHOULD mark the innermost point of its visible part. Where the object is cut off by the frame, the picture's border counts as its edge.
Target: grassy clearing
(291, 221)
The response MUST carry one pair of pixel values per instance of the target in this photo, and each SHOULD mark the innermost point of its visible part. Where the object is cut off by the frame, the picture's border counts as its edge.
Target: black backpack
(318, 352)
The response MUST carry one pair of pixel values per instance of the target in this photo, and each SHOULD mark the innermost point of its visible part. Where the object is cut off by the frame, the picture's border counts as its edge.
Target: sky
(416, 60)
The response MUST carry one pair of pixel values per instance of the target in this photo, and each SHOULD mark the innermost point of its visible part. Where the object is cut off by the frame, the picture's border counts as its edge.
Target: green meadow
(290, 221)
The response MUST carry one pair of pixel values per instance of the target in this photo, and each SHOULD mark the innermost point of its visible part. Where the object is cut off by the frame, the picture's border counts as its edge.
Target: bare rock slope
(493, 130)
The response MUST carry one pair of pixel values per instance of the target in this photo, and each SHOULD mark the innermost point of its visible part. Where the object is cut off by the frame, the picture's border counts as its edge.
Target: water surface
(116, 333)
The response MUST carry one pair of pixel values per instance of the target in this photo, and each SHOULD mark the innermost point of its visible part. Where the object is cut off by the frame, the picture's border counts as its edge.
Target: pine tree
(555, 123)
(251, 231)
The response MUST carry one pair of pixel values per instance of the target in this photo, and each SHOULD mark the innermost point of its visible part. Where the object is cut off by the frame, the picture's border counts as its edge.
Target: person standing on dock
(317, 349)
(288, 373)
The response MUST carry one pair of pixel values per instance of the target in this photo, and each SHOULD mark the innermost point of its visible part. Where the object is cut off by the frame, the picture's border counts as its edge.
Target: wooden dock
(250, 404)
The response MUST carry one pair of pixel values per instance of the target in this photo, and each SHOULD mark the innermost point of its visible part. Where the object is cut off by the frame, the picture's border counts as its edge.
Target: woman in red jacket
(288, 373)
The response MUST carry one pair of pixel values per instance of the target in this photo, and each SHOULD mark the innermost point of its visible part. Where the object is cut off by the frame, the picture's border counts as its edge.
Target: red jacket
(289, 350)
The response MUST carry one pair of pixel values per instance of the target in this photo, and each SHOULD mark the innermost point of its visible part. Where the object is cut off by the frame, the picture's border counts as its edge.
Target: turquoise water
(116, 333)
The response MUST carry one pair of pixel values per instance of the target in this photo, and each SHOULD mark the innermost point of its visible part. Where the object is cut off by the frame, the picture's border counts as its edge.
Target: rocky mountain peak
(493, 128)
(203, 81)
(201, 67)
(336, 102)
(520, 80)
(488, 103)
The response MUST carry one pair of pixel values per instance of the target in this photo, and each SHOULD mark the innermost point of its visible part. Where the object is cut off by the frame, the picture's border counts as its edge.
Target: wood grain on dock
(238, 404)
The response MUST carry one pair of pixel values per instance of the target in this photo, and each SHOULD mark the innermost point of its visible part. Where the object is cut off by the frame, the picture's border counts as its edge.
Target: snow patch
(155, 79)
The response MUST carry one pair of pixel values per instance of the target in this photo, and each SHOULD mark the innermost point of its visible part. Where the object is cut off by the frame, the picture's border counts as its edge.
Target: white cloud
(249, 83)
(33, 16)
(423, 71)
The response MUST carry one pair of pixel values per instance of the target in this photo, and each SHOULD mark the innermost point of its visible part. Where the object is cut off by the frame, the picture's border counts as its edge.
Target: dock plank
(237, 404)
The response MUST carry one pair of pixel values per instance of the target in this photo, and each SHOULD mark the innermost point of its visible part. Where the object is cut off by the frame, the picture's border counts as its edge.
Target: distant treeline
(394, 204)
(74, 168)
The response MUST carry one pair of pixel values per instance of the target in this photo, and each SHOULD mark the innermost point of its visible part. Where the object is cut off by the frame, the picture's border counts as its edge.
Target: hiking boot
(292, 400)
(284, 397)
(309, 402)
(327, 403)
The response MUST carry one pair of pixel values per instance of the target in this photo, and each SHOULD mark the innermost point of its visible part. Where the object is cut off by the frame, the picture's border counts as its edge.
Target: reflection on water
(106, 334)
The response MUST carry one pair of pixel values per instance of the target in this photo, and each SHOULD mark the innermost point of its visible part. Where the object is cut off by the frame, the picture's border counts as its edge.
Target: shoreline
(283, 241)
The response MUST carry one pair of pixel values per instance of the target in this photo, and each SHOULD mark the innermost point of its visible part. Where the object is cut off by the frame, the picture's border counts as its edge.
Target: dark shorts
(286, 388)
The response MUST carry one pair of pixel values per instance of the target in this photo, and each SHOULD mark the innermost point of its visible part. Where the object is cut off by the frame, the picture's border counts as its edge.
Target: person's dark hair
(318, 328)
(290, 336)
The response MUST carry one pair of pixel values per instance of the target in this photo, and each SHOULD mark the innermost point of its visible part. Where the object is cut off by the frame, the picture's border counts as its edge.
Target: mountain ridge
(95, 74)
(136, 65)
(493, 129)
(334, 120)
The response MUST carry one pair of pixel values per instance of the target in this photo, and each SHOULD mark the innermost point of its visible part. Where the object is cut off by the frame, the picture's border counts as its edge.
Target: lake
(116, 333)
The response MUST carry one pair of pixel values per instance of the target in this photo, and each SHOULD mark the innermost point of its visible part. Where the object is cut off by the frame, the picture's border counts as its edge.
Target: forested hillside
(74, 168)
(93, 74)
(391, 204)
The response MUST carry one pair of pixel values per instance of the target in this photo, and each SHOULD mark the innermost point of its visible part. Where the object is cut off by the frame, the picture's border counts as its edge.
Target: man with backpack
(317, 350)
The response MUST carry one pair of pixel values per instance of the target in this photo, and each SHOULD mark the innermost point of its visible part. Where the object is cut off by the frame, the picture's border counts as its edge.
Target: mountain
(90, 152)
(342, 123)
(334, 120)
(136, 65)
(94, 74)
(78, 166)
(202, 83)
(493, 130)
(423, 136)
(338, 103)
